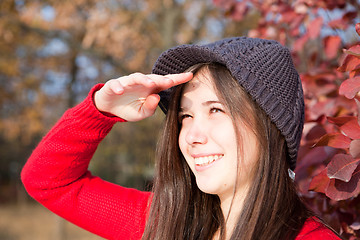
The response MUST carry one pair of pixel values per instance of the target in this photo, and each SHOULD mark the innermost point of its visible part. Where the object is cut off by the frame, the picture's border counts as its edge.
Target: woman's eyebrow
(206, 103)
(211, 102)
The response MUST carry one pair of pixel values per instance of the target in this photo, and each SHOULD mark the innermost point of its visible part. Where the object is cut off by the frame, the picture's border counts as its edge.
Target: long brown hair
(179, 210)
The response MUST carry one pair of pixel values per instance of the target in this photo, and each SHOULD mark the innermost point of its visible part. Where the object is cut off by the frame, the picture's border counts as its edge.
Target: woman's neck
(231, 207)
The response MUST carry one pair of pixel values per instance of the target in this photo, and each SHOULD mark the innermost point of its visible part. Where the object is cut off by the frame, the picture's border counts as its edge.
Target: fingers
(166, 81)
(151, 81)
(134, 97)
(151, 103)
(171, 80)
(137, 79)
(114, 87)
(181, 77)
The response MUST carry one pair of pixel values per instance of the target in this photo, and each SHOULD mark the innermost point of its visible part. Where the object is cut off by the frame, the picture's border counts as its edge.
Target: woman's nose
(196, 134)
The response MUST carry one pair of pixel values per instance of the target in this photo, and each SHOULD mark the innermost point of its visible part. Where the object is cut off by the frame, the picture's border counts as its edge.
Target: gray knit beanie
(264, 68)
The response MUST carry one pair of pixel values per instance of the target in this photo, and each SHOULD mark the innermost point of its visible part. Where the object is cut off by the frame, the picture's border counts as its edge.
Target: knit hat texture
(264, 68)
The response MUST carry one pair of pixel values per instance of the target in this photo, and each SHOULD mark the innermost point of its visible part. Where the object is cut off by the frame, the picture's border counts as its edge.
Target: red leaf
(342, 167)
(354, 50)
(358, 109)
(350, 87)
(339, 190)
(349, 63)
(300, 42)
(335, 140)
(332, 45)
(326, 107)
(339, 23)
(288, 16)
(239, 11)
(354, 148)
(315, 156)
(349, 125)
(315, 133)
(339, 121)
(354, 73)
(319, 83)
(349, 16)
(315, 27)
(351, 129)
(320, 182)
(357, 28)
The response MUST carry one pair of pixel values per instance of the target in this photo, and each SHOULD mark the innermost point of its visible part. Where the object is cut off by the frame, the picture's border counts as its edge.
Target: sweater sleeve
(56, 175)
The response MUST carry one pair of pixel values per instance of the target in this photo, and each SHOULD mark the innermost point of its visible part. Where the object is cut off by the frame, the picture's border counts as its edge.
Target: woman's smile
(202, 163)
(206, 160)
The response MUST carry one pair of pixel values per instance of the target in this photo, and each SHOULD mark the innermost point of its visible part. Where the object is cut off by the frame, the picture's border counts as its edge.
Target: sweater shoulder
(314, 229)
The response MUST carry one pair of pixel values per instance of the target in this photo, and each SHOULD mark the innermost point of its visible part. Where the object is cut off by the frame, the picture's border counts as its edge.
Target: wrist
(95, 101)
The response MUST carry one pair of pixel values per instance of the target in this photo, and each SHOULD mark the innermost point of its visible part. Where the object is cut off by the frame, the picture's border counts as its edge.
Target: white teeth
(206, 160)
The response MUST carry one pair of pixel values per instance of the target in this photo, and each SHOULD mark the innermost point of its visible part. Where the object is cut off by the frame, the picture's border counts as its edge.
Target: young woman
(230, 139)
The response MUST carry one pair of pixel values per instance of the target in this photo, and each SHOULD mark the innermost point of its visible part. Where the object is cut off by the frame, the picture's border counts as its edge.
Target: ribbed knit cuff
(89, 117)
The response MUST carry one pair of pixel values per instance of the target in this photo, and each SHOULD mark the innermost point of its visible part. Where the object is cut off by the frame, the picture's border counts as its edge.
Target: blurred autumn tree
(53, 52)
(329, 159)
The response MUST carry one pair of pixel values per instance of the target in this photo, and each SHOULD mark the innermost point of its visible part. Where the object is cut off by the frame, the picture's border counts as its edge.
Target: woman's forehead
(198, 90)
(200, 78)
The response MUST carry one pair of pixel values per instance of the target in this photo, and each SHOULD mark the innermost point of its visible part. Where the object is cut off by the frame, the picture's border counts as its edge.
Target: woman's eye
(184, 116)
(216, 110)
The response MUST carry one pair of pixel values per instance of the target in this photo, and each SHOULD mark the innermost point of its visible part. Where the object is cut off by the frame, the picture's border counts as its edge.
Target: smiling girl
(230, 139)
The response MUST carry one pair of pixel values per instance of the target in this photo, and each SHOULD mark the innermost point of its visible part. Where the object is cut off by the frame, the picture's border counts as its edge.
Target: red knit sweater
(57, 176)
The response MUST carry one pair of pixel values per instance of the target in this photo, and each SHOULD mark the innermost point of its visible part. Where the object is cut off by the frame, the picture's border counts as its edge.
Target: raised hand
(135, 97)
